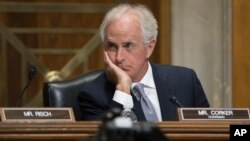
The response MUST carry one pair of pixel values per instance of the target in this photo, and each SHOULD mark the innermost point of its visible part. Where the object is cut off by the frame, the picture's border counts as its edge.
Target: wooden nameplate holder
(37, 115)
(213, 114)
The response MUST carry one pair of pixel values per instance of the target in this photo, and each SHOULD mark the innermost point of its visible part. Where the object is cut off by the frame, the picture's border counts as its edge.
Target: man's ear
(150, 47)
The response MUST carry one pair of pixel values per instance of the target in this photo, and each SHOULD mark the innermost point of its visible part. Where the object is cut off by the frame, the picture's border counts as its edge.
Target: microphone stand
(31, 74)
(22, 93)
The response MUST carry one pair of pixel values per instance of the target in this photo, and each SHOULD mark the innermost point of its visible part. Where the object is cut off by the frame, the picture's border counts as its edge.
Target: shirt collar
(148, 79)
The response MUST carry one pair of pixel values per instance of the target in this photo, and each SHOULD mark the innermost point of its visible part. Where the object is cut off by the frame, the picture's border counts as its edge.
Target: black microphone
(175, 101)
(31, 74)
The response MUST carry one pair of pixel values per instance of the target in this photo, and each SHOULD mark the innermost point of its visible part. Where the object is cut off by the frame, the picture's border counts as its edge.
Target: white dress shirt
(149, 89)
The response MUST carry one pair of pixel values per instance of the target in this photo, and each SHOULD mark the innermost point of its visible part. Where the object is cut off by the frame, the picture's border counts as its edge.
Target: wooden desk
(82, 130)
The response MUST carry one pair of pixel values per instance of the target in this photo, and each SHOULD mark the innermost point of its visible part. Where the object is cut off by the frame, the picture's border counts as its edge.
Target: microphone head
(174, 100)
(32, 72)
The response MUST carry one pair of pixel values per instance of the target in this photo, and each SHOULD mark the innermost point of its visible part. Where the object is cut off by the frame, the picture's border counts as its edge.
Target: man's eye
(110, 47)
(128, 45)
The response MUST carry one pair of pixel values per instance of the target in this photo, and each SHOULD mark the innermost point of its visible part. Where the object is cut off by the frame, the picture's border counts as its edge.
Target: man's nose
(119, 55)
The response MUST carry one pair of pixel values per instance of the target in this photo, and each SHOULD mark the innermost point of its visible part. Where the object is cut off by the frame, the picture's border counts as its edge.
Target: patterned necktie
(146, 105)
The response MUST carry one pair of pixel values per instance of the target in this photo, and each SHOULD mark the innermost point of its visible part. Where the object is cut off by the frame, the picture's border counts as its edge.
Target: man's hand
(117, 75)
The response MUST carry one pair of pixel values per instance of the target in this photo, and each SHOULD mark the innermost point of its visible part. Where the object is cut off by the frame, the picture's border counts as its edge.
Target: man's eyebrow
(128, 42)
(110, 42)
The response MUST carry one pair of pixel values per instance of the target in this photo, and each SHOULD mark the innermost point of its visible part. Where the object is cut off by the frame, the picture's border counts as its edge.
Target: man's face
(125, 47)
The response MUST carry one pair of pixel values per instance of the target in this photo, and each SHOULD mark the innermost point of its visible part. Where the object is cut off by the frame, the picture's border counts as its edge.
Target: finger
(110, 64)
(107, 59)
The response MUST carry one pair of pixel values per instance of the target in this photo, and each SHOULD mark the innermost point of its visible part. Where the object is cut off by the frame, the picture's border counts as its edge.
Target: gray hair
(146, 19)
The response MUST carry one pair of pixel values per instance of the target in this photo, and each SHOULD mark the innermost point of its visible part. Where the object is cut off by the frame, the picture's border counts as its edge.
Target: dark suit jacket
(96, 97)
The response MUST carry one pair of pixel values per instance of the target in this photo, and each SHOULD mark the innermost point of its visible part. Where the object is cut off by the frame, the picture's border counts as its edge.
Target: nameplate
(213, 114)
(37, 115)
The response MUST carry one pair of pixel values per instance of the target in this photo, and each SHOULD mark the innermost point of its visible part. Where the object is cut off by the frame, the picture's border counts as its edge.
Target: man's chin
(126, 70)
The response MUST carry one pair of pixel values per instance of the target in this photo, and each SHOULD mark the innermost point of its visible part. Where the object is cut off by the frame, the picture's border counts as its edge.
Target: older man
(129, 33)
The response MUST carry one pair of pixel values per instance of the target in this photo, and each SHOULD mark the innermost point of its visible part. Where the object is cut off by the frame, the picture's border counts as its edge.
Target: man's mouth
(125, 68)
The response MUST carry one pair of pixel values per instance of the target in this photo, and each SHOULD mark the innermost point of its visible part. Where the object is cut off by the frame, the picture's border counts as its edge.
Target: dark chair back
(64, 93)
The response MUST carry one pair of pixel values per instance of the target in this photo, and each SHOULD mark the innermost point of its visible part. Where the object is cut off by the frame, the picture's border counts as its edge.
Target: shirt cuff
(123, 98)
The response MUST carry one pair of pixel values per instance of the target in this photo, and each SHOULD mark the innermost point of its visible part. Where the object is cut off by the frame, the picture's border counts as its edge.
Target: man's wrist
(123, 88)
(123, 98)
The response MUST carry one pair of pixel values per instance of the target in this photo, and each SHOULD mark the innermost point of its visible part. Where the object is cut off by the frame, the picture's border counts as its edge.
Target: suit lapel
(163, 92)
